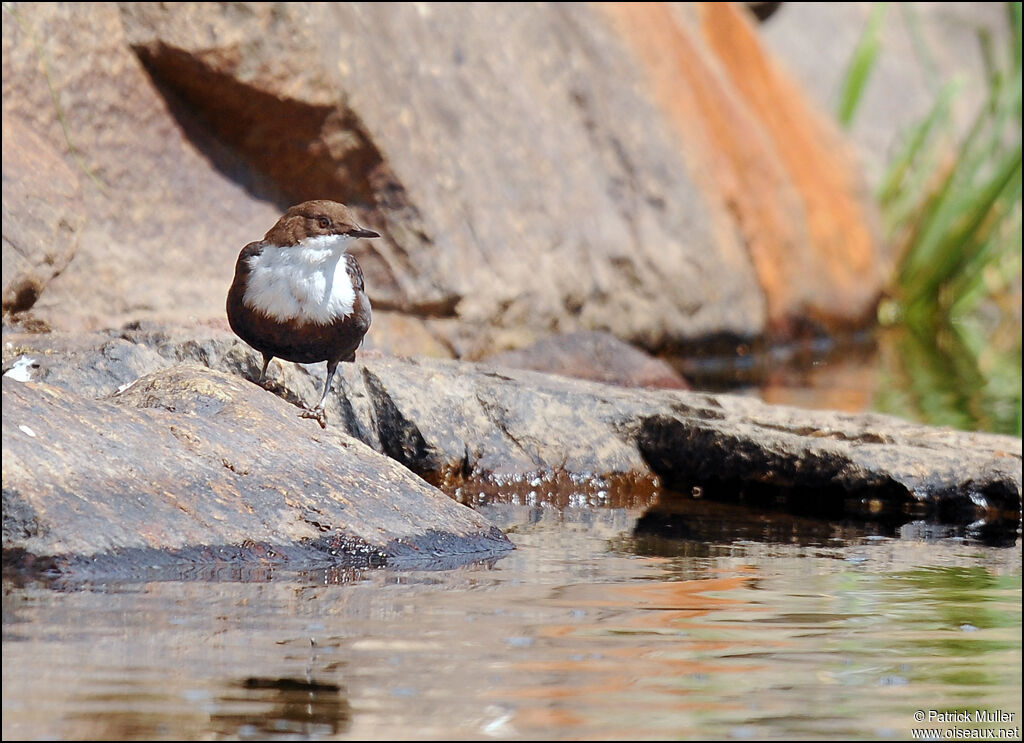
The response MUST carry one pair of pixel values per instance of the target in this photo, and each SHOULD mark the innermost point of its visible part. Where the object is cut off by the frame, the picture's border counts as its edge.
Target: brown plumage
(297, 295)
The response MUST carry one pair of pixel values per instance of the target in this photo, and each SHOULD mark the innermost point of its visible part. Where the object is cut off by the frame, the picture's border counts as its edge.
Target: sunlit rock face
(649, 171)
(192, 466)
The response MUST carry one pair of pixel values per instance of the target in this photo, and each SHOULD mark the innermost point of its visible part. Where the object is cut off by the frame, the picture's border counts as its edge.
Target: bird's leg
(318, 414)
(263, 374)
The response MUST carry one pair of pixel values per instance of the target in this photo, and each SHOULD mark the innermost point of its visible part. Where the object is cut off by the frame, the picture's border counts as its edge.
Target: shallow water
(597, 626)
(934, 379)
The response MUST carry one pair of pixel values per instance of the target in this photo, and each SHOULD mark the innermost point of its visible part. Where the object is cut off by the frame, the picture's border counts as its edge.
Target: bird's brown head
(311, 219)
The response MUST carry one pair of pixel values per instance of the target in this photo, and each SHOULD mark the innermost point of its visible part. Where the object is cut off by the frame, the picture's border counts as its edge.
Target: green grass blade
(865, 55)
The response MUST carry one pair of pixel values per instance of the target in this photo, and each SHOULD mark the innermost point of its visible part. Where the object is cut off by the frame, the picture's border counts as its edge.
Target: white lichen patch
(22, 369)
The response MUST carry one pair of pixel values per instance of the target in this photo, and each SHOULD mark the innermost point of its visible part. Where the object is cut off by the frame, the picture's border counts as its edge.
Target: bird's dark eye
(323, 222)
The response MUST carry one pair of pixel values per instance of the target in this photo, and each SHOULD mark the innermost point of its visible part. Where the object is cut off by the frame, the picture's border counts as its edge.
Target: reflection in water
(263, 708)
(952, 375)
(675, 517)
(943, 376)
(677, 524)
(602, 624)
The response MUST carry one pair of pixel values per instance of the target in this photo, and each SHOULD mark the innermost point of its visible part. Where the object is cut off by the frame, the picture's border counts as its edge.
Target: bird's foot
(318, 414)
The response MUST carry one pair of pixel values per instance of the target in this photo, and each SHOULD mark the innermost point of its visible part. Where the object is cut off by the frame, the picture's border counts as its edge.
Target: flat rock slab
(455, 422)
(192, 465)
(478, 428)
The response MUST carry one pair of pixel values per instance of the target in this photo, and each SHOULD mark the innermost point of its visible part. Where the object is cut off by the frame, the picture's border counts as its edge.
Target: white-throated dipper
(299, 296)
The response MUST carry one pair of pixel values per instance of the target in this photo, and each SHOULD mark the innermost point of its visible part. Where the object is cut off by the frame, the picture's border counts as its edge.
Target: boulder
(193, 466)
(168, 207)
(43, 215)
(778, 165)
(458, 425)
(594, 355)
(642, 170)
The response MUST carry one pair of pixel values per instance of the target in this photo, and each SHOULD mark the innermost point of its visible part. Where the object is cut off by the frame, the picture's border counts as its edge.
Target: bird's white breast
(306, 282)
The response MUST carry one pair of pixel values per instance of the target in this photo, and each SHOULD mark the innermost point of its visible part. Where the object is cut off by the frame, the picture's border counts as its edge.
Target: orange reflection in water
(647, 627)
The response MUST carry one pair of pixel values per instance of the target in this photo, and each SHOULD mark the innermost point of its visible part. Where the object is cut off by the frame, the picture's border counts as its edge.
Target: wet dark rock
(593, 355)
(763, 11)
(190, 465)
(834, 465)
(474, 428)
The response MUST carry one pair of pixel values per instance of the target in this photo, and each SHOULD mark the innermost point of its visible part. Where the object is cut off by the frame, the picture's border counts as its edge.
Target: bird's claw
(318, 414)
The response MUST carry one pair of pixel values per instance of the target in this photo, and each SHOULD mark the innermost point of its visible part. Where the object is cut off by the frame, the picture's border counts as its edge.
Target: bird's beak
(360, 232)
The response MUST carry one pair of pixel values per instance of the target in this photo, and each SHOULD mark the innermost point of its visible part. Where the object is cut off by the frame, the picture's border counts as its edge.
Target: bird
(298, 295)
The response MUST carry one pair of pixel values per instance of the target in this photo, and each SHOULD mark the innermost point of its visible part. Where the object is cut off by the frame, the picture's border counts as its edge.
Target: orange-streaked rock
(529, 172)
(766, 157)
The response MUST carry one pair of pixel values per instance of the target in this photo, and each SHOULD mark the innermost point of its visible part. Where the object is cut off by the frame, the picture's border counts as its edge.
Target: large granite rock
(189, 465)
(42, 215)
(777, 165)
(168, 206)
(457, 424)
(475, 429)
(533, 168)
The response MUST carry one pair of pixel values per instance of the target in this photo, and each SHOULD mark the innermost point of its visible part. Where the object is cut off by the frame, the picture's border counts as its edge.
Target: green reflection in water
(952, 375)
(950, 617)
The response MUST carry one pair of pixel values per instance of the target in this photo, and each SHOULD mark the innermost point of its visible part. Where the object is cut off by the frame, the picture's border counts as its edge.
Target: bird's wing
(250, 250)
(352, 265)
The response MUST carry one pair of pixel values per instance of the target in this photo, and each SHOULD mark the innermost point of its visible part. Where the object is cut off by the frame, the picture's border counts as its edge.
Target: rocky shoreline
(151, 445)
